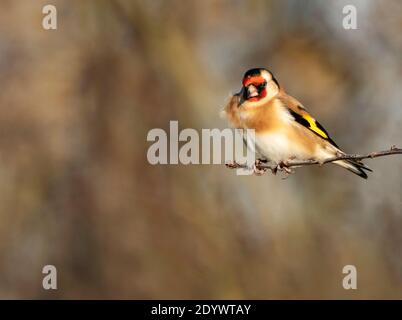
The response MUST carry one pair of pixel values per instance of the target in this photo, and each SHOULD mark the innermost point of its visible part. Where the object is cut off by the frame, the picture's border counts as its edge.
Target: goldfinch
(284, 130)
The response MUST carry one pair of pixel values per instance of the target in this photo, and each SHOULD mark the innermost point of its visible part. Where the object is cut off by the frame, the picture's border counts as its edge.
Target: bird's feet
(258, 167)
(283, 166)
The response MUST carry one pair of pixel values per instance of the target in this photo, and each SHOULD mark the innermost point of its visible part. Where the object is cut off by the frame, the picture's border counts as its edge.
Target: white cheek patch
(272, 90)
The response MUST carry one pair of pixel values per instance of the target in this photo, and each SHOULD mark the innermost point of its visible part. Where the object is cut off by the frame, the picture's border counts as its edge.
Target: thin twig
(288, 164)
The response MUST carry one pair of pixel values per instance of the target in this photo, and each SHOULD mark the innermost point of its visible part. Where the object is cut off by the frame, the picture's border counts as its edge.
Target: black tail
(355, 166)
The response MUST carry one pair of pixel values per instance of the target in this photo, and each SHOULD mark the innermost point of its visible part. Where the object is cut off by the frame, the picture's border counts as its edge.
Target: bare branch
(288, 164)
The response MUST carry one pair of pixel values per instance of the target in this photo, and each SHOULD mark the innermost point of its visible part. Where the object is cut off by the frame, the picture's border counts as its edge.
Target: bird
(284, 129)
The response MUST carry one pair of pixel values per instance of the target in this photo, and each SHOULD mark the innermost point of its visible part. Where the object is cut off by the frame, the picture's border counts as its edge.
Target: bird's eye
(261, 86)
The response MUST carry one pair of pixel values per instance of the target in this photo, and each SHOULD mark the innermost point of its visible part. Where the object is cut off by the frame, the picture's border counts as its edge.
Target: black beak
(246, 93)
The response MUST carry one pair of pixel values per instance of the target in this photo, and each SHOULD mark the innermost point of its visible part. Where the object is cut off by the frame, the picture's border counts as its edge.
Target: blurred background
(77, 192)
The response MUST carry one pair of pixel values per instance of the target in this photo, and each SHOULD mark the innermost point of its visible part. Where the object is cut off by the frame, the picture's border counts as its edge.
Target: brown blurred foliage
(76, 189)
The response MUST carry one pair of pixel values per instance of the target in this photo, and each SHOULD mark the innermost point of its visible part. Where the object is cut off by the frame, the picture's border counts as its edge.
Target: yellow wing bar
(310, 123)
(313, 126)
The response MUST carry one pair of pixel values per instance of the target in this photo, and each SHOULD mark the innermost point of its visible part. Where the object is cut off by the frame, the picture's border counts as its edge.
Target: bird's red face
(254, 87)
(256, 83)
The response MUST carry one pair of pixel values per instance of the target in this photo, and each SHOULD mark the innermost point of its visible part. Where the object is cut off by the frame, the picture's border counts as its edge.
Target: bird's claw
(258, 169)
(283, 166)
